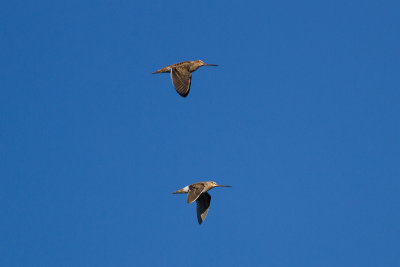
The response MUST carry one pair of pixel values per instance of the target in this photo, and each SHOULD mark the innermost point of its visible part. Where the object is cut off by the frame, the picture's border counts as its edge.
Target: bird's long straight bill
(224, 186)
(211, 65)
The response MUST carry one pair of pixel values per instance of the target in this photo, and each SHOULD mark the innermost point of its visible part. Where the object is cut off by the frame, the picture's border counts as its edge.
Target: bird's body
(181, 74)
(198, 192)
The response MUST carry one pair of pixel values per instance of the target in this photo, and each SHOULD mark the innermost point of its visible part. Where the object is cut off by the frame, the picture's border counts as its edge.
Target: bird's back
(167, 69)
(181, 64)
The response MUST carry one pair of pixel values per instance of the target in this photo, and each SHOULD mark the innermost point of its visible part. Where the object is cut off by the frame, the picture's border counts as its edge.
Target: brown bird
(198, 192)
(181, 74)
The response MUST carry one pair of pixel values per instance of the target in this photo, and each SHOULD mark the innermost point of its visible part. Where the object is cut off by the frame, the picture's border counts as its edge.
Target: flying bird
(198, 192)
(181, 74)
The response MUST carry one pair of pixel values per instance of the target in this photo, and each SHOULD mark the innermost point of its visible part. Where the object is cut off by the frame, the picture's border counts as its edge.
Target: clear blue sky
(301, 118)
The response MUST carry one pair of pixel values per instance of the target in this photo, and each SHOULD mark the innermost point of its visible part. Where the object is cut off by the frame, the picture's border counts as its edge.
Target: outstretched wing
(203, 204)
(195, 191)
(181, 79)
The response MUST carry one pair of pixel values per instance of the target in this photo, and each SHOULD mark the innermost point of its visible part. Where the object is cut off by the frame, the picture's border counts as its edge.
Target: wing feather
(203, 205)
(181, 79)
(195, 191)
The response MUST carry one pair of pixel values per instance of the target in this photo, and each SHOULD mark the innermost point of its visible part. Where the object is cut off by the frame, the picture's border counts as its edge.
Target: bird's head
(199, 63)
(214, 184)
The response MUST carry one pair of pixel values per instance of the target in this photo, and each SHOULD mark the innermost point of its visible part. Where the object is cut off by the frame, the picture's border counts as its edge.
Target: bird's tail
(182, 191)
(163, 70)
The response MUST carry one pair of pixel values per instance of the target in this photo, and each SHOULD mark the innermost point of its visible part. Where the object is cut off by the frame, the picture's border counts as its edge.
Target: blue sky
(301, 117)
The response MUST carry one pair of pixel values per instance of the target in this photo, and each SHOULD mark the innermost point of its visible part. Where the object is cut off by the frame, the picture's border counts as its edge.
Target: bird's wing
(195, 191)
(181, 79)
(203, 204)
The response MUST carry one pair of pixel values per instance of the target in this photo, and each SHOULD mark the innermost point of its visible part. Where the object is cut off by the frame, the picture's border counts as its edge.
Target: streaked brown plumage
(198, 192)
(181, 74)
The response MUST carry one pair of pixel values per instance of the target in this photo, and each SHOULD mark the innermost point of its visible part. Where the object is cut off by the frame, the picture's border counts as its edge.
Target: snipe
(181, 74)
(198, 192)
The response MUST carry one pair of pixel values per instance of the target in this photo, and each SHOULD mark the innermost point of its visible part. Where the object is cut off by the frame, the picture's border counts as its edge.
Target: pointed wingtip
(190, 201)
